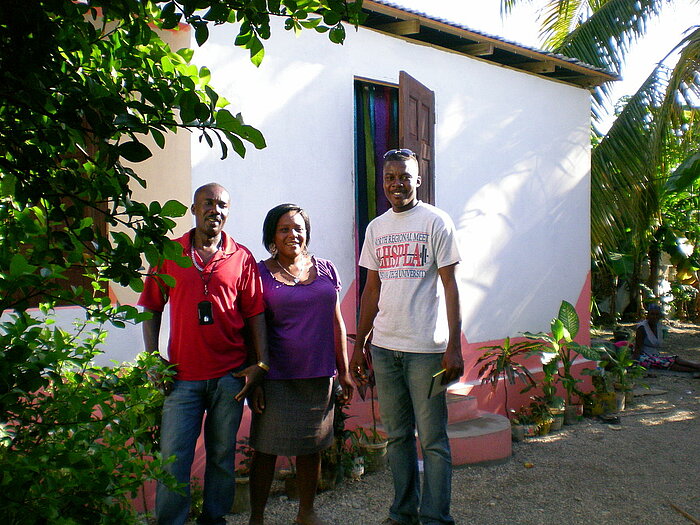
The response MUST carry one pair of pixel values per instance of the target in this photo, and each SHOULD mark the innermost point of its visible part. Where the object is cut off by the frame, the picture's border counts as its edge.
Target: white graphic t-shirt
(406, 249)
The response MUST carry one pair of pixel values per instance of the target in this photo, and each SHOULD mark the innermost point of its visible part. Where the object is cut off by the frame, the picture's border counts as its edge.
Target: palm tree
(651, 151)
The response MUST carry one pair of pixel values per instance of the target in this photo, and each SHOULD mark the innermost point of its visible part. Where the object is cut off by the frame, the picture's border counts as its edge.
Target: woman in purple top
(306, 340)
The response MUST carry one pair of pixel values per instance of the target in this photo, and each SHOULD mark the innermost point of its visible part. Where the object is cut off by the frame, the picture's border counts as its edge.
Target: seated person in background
(648, 343)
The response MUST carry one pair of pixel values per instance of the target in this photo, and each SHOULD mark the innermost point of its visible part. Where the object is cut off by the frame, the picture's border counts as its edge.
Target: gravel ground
(590, 473)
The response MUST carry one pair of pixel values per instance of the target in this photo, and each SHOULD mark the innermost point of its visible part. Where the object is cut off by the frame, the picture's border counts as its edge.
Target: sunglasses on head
(400, 152)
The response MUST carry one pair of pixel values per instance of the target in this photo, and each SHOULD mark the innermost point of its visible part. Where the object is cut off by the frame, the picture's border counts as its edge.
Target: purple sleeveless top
(300, 333)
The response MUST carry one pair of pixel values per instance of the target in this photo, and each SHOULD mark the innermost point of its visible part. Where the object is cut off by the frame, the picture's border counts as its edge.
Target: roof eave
(421, 28)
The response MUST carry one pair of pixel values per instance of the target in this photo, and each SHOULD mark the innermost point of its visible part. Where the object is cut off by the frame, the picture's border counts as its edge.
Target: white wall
(512, 163)
(512, 167)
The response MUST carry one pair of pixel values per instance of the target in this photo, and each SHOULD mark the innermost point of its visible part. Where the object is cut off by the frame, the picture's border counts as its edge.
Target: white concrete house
(503, 132)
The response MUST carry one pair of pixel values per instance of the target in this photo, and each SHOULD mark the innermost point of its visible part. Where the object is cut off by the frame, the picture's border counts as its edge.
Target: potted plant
(560, 345)
(501, 362)
(522, 424)
(241, 497)
(353, 460)
(332, 458)
(619, 364)
(557, 408)
(541, 416)
(370, 441)
(602, 399)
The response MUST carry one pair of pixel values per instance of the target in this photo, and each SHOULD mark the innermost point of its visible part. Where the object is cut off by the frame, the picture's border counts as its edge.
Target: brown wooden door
(417, 130)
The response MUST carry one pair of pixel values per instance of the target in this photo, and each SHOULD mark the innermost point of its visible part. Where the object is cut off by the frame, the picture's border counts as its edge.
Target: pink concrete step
(476, 436)
(461, 406)
(484, 439)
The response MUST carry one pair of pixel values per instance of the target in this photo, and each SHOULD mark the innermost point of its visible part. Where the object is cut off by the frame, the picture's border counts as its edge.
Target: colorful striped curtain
(376, 131)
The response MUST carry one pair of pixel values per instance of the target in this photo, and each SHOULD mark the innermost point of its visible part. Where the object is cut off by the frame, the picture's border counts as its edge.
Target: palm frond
(604, 38)
(630, 165)
(623, 168)
(559, 18)
(676, 119)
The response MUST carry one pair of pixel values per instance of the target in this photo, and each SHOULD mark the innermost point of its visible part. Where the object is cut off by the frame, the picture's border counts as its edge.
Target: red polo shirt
(235, 292)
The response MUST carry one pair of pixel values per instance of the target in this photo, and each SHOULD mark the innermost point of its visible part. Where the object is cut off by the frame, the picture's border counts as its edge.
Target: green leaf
(337, 34)
(257, 51)
(311, 23)
(186, 53)
(158, 137)
(19, 266)
(228, 122)
(173, 208)
(188, 102)
(201, 33)
(236, 143)
(7, 184)
(152, 255)
(255, 137)
(134, 151)
(172, 249)
(213, 96)
(569, 318)
(136, 284)
(331, 18)
(685, 175)
(204, 75)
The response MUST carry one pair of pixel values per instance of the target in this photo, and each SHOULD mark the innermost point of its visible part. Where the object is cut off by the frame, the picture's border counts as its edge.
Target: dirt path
(589, 474)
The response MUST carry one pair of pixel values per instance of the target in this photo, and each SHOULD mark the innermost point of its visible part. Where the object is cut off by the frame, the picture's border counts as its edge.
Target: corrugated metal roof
(387, 16)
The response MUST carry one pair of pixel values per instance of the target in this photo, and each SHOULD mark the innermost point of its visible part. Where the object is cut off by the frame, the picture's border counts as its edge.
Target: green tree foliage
(82, 84)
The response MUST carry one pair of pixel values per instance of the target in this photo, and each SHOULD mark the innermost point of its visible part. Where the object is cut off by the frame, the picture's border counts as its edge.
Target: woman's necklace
(295, 279)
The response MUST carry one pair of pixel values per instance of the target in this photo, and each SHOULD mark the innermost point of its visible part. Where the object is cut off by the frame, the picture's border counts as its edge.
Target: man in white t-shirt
(407, 251)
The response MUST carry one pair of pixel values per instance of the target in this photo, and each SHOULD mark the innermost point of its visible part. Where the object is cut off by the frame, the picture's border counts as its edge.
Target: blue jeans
(183, 411)
(403, 381)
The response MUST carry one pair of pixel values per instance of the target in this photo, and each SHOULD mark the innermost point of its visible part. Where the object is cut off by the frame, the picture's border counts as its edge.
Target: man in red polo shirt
(211, 305)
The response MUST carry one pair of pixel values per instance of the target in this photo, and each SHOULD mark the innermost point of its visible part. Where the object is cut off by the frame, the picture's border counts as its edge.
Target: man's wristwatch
(264, 366)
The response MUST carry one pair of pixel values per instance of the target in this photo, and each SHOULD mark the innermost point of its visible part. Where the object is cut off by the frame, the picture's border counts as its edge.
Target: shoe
(391, 521)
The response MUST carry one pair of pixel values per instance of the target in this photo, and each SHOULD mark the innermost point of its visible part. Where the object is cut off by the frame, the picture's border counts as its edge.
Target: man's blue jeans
(403, 382)
(183, 411)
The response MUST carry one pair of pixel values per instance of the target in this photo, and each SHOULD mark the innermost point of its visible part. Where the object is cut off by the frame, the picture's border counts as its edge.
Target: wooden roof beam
(402, 28)
(539, 67)
(481, 49)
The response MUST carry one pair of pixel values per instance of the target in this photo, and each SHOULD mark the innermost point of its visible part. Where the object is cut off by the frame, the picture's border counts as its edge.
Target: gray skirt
(298, 417)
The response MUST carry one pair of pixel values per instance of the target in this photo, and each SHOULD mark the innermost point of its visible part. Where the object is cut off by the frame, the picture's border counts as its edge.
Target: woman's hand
(347, 386)
(256, 400)
(253, 376)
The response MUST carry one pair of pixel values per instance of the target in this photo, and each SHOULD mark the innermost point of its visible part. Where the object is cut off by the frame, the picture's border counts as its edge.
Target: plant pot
(357, 470)
(328, 479)
(544, 427)
(595, 407)
(517, 432)
(572, 414)
(607, 400)
(375, 456)
(529, 430)
(629, 397)
(557, 423)
(619, 401)
(241, 497)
